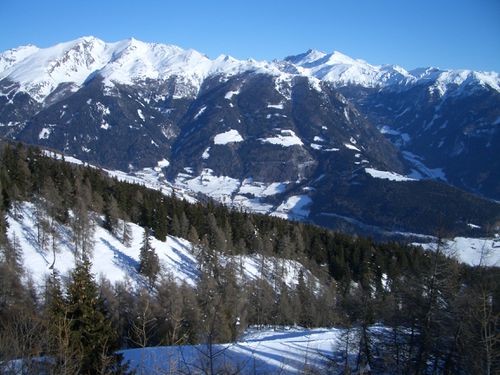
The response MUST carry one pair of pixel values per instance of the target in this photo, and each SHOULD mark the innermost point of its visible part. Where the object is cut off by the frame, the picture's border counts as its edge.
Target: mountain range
(319, 137)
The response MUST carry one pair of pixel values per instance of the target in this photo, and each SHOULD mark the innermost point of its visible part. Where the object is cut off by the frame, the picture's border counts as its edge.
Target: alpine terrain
(162, 212)
(322, 138)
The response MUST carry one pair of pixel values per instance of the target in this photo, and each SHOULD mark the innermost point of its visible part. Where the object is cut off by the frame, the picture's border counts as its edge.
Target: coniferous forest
(443, 315)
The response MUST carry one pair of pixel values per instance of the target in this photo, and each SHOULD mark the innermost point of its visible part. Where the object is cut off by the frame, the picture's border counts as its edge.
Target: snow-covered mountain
(342, 70)
(317, 137)
(39, 71)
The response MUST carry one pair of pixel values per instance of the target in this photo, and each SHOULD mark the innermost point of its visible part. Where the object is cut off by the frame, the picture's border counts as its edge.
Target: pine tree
(11, 271)
(184, 225)
(149, 262)
(67, 356)
(90, 329)
(305, 301)
(111, 215)
(82, 222)
(175, 226)
(126, 233)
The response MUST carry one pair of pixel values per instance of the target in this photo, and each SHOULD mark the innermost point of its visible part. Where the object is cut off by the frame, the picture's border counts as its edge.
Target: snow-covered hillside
(117, 262)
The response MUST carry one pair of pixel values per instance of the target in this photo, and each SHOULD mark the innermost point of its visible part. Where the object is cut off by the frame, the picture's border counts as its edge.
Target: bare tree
(144, 323)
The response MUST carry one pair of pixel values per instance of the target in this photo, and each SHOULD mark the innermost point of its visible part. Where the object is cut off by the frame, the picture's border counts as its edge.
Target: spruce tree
(111, 215)
(126, 233)
(90, 328)
(149, 262)
(65, 353)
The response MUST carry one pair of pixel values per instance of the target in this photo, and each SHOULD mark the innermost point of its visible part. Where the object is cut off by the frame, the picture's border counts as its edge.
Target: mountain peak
(307, 57)
(89, 38)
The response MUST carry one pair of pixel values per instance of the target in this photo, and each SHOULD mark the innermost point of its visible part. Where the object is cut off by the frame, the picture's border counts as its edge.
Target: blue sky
(443, 33)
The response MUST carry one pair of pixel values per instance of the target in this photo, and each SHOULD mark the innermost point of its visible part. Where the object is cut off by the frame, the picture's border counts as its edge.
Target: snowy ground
(268, 351)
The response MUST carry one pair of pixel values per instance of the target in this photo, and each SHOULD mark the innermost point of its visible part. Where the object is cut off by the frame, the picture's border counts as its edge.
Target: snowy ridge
(39, 71)
(342, 70)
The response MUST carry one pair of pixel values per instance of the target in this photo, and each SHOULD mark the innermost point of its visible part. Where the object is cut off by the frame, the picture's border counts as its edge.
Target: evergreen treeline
(443, 315)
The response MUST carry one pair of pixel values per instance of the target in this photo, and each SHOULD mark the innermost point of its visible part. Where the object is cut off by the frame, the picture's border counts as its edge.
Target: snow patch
(287, 138)
(163, 163)
(102, 109)
(472, 251)
(388, 130)
(200, 112)
(316, 146)
(229, 95)
(274, 350)
(206, 153)
(44, 133)
(261, 189)
(346, 114)
(295, 207)
(421, 170)
(231, 136)
(139, 113)
(387, 175)
(275, 106)
(351, 147)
